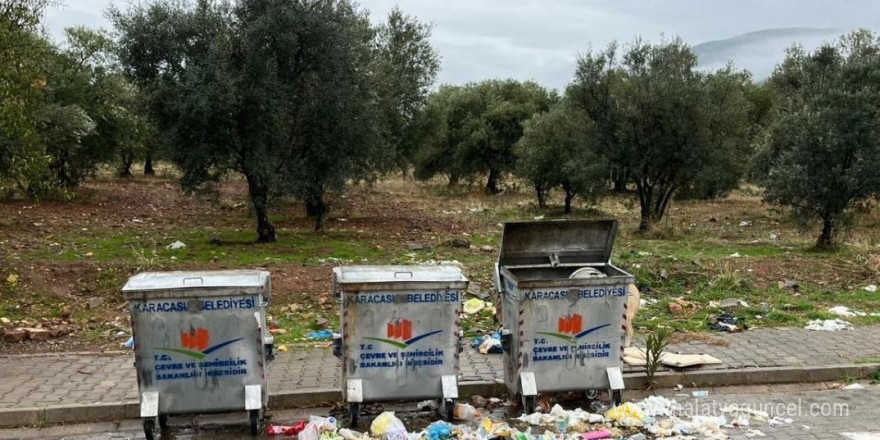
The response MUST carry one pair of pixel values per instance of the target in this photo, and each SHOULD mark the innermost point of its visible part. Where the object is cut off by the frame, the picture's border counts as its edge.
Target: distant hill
(760, 51)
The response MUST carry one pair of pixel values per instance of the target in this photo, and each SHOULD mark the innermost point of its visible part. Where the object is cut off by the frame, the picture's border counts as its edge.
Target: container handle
(396, 274)
(201, 280)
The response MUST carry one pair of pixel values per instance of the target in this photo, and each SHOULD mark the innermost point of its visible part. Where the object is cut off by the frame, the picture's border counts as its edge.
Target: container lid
(400, 277)
(557, 243)
(247, 280)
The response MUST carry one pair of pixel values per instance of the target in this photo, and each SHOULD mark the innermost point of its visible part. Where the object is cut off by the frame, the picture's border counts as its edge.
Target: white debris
(734, 255)
(755, 433)
(654, 406)
(176, 245)
(861, 435)
(773, 236)
(779, 421)
(644, 254)
(870, 288)
(828, 325)
(539, 217)
(854, 386)
(845, 312)
(744, 223)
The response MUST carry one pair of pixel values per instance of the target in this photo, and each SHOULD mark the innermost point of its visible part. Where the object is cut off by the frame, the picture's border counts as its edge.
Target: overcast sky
(540, 39)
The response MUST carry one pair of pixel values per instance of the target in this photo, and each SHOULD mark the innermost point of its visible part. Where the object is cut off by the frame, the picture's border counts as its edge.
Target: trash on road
(388, 427)
(320, 335)
(870, 288)
(636, 356)
(488, 344)
(285, 429)
(829, 325)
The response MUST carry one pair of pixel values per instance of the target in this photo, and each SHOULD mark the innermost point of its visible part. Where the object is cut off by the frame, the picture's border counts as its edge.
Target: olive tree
(558, 149)
(823, 151)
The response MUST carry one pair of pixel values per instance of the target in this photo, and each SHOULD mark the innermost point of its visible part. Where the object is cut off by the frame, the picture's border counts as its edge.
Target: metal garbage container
(563, 308)
(200, 343)
(400, 335)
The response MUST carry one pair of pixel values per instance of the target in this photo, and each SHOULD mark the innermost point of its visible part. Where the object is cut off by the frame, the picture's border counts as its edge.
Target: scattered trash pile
(653, 417)
(488, 344)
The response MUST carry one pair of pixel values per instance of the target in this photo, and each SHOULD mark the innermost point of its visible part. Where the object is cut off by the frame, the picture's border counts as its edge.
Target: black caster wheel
(354, 410)
(592, 394)
(254, 416)
(616, 397)
(149, 428)
(529, 404)
(449, 410)
(163, 422)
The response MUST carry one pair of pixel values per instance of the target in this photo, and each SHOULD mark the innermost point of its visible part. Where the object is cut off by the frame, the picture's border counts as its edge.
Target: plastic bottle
(464, 411)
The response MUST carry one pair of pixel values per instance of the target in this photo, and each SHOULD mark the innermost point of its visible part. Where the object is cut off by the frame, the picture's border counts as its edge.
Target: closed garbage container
(400, 333)
(563, 308)
(200, 342)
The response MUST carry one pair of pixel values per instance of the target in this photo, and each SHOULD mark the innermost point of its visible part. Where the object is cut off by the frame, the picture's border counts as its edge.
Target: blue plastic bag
(439, 430)
(320, 335)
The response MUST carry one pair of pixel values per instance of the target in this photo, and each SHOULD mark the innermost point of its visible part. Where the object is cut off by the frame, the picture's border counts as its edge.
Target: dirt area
(56, 256)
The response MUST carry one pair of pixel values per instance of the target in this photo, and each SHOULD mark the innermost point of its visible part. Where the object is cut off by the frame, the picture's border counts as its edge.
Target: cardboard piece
(636, 356)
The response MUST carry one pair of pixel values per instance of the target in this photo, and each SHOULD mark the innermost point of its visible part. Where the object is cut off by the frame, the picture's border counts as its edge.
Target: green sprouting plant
(145, 261)
(655, 343)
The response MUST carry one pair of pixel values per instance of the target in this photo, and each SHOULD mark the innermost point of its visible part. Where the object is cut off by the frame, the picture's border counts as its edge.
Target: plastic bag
(319, 335)
(439, 430)
(473, 305)
(286, 430)
(627, 414)
(310, 432)
(388, 427)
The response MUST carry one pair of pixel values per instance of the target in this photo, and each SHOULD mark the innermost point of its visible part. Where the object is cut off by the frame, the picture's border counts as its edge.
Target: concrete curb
(98, 412)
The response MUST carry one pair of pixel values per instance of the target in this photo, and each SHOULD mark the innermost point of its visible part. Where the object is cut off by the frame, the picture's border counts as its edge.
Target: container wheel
(616, 397)
(163, 422)
(449, 410)
(254, 416)
(592, 394)
(529, 404)
(354, 410)
(149, 428)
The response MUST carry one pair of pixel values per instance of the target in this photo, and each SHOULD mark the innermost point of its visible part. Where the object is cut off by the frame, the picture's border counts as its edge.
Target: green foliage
(406, 66)
(663, 125)
(296, 96)
(655, 344)
(478, 126)
(21, 88)
(822, 155)
(558, 149)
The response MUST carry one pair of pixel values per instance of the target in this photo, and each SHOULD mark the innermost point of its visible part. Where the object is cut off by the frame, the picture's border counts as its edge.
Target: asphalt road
(818, 411)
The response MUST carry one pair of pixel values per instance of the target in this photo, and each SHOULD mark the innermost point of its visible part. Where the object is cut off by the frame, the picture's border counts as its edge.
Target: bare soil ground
(57, 255)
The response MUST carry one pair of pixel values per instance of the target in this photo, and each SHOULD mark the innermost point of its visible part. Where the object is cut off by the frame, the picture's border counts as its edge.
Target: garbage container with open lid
(201, 343)
(400, 335)
(563, 308)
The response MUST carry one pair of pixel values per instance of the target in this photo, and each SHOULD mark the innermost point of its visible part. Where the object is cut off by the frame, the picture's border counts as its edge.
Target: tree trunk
(311, 209)
(541, 194)
(148, 165)
(492, 182)
(619, 179)
(124, 169)
(826, 239)
(259, 194)
(320, 210)
(569, 196)
(645, 207)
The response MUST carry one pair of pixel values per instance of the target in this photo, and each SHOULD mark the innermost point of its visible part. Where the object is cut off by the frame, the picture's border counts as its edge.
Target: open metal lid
(249, 281)
(557, 243)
